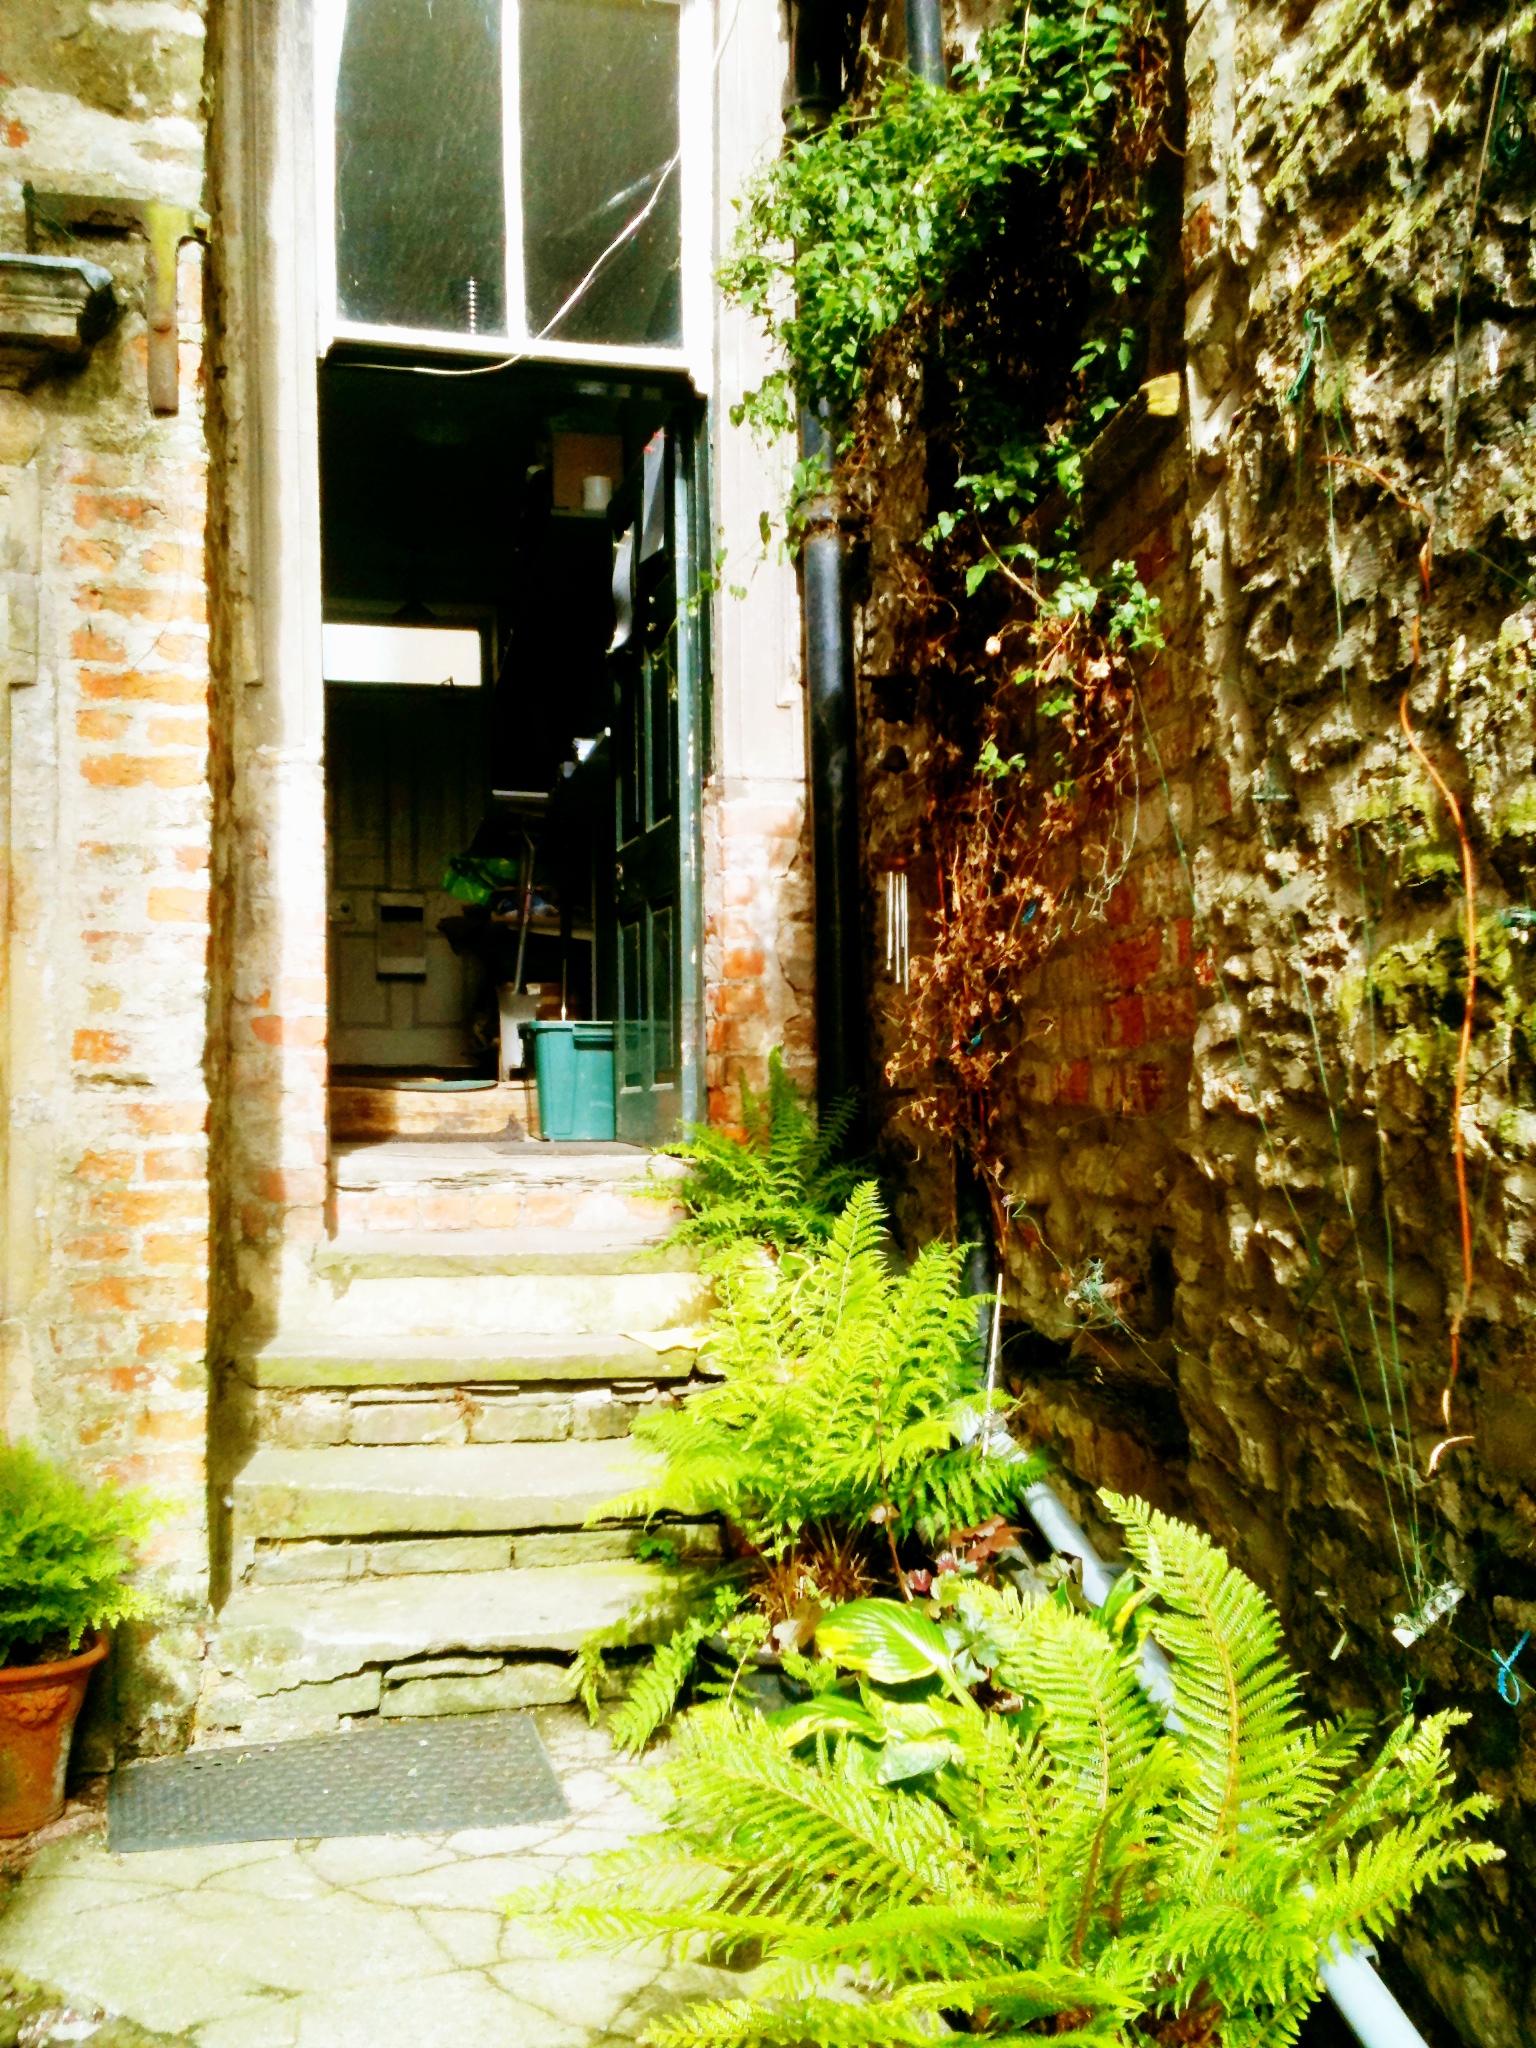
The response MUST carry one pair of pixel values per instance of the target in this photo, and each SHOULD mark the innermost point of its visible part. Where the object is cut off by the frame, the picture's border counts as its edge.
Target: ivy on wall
(987, 249)
(899, 222)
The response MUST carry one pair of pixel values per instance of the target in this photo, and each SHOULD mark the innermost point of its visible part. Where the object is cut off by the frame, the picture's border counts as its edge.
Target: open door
(656, 661)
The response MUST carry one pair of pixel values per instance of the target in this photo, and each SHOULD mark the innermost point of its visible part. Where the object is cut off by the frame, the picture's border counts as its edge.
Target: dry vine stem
(1463, 1054)
(1009, 848)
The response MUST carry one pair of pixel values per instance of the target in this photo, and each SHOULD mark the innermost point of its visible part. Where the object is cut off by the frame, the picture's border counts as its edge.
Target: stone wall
(1233, 1252)
(106, 727)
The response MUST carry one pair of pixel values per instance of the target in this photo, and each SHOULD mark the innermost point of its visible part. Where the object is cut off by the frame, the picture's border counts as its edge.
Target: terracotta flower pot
(39, 1704)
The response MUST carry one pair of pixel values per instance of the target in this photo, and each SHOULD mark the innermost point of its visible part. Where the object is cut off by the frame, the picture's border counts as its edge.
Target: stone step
(468, 1284)
(316, 1360)
(535, 1253)
(428, 1489)
(312, 1562)
(305, 1419)
(368, 1112)
(407, 1187)
(272, 1638)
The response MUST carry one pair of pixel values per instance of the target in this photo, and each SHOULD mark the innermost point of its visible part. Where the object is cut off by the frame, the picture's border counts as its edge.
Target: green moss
(28, 2009)
(1417, 986)
(1516, 817)
(1430, 864)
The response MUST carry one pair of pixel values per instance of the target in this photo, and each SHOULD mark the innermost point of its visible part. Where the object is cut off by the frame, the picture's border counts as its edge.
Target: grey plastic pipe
(1368, 2008)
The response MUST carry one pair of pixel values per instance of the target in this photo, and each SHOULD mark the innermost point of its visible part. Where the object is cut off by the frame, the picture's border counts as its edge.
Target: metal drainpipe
(1348, 1976)
(831, 723)
(925, 40)
(817, 30)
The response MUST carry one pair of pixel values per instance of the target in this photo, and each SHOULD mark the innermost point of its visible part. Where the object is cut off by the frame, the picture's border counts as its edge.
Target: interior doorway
(514, 660)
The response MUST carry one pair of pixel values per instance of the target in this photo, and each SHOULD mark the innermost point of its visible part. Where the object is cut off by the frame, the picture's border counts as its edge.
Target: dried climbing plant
(1030, 835)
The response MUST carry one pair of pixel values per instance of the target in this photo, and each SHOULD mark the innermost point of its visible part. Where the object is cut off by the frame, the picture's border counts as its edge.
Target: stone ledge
(471, 1360)
(53, 311)
(431, 1489)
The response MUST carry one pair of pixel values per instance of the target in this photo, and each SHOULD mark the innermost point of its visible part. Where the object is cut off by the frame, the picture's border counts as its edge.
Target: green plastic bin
(574, 1067)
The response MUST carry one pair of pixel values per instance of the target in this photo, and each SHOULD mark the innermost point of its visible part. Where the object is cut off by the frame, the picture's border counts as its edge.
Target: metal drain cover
(484, 1770)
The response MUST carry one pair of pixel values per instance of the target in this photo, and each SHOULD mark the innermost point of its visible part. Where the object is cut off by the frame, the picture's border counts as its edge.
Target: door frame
(691, 486)
(269, 694)
(687, 428)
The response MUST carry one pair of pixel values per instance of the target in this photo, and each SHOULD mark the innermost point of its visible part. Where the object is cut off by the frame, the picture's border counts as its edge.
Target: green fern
(782, 1184)
(1069, 1863)
(653, 1695)
(66, 1553)
(848, 1394)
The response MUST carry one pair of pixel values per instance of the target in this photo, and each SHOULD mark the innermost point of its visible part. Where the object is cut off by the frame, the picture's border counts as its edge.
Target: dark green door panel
(657, 773)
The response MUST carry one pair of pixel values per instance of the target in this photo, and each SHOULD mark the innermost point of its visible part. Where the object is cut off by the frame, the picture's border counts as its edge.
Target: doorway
(514, 662)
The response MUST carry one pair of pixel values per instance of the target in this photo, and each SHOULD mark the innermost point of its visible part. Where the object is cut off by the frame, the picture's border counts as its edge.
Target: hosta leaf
(891, 1643)
(829, 1716)
(916, 1759)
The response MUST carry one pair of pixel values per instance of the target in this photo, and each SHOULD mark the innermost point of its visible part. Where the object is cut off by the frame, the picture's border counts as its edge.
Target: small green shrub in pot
(68, 1553)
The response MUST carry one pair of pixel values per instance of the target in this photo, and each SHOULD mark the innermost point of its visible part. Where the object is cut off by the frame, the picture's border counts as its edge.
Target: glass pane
(662, 983)
(420, 218)
(446, 655)
(630, 751)
(661, 721)
(631, 1046)
(599, 144)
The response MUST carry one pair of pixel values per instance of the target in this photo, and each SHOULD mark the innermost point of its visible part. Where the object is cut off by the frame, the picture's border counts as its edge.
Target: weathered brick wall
(1228, 1107)
(101, 549)
(759, 964)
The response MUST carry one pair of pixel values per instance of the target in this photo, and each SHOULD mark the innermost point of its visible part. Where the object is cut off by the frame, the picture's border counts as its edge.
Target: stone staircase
(407, 1530)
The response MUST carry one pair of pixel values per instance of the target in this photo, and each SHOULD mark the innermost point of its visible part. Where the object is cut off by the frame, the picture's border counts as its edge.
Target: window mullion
(512, 161)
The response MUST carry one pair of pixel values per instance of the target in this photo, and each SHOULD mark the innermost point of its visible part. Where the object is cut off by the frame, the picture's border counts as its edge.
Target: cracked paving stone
(370, 1942)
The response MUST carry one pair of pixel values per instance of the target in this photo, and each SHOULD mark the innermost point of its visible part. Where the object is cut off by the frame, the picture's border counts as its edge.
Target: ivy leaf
(975, 576)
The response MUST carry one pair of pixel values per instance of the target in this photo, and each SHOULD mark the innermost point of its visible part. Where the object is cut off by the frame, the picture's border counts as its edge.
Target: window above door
(521, 174)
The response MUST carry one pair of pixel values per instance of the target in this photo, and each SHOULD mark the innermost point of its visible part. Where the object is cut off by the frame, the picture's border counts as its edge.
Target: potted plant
(66, 1555)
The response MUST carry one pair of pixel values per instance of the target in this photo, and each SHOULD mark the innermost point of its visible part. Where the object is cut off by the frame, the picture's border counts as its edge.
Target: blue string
(1509, 1685)
(1314, 327)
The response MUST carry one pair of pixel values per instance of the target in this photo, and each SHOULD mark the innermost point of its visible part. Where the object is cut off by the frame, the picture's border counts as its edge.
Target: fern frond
(1366, 1894)
(830, 2022)
(1235, 1698)
(655, 1690)
(1097, 1722)
(591, 1671)
(783, 1184)
(842, 1386)
(819, 1841)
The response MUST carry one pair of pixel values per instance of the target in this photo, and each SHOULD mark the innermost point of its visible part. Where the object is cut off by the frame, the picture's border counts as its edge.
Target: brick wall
(102, 521)
(759, 942)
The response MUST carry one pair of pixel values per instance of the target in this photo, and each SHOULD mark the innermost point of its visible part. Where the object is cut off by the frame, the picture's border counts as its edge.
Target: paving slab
(387, 1942)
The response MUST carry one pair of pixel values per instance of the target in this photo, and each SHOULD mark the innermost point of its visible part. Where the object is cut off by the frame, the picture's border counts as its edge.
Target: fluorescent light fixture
(448, 656)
